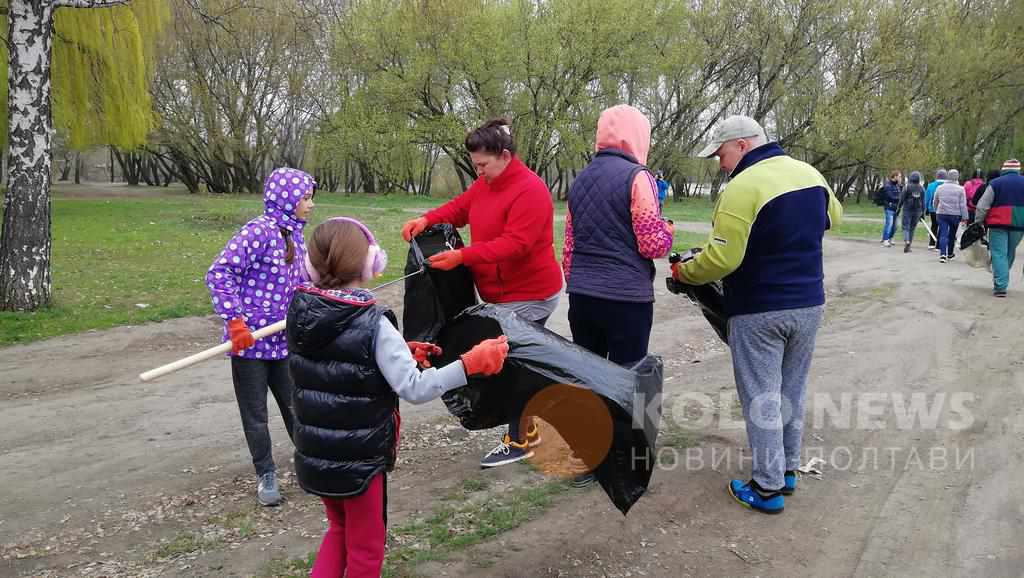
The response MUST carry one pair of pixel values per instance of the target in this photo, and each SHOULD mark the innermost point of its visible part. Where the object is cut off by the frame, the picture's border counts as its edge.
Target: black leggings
(616, 330)
(252, 378)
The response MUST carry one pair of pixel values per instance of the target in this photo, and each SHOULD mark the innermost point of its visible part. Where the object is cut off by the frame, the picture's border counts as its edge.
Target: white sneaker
(267, 491)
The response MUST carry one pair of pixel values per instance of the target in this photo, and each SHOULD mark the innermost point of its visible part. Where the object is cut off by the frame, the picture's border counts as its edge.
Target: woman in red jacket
(512, 257)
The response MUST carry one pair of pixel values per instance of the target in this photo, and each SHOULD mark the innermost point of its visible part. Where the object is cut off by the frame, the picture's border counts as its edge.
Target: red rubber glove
(414, 227)
(447, 260)
(422, 351)
(486, 357)
(240, 336)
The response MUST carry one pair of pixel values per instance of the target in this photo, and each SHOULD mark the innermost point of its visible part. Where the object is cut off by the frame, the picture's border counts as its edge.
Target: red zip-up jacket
(511, 220)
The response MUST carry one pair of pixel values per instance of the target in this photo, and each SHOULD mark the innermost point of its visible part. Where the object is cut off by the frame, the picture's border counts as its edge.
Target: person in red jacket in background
(512, 257)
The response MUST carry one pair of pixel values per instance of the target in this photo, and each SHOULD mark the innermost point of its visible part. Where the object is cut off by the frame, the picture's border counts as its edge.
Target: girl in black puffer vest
(350, 365)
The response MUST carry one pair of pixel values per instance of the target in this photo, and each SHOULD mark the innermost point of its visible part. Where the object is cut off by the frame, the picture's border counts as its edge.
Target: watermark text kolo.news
(839, 411)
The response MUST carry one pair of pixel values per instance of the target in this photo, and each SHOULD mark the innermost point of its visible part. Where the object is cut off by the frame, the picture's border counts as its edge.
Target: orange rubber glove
(422, 351)
(414, 227)
(447, 260)
(240, 336)
(677, 272)
(486, 357)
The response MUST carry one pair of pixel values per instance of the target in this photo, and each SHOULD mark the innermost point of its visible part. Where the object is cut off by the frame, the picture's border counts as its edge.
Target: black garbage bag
(435, 296)
(538, 364)
(972, 234)
(710, 297)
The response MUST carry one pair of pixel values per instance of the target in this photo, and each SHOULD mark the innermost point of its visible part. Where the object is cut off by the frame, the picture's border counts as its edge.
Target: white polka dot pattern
(238, 280)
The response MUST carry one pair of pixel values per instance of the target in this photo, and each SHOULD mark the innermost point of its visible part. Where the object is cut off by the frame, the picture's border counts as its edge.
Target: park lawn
(863, 210)
(125, 261)
(858, 230)
(135, 259)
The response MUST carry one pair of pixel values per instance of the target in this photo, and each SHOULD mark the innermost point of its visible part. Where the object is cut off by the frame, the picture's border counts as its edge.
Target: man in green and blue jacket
(765, 246)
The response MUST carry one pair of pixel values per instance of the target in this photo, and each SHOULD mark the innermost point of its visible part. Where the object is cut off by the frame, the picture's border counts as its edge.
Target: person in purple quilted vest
(251, 283)
(613, 233)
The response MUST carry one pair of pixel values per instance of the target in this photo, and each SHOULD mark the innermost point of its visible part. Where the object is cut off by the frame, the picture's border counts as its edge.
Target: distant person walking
(971, 187)
(662, 190)
(950, 204)
(891, 201)
(912, 207)
(929, 196)
(989, 177)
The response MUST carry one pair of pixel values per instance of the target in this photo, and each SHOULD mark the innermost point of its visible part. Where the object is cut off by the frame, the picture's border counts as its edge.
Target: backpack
(878, 197)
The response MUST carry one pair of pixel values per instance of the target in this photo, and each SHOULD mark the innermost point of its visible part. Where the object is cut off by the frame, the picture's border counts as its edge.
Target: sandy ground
(98, 470)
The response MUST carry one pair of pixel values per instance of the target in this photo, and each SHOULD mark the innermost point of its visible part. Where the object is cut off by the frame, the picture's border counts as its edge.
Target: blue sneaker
(507, 452)
(791, 477)
(753, 496)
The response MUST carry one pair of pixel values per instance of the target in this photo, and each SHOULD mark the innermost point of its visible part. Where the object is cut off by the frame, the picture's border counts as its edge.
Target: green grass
(449, 530)
(446, 530)
(689, 209)
(475, 484)
(288, 567)
(185, 543)
(675, 435)
(865, 209)
(699, 209)
(114, 255)
(858, 230)
(242, 522)
(111, 254)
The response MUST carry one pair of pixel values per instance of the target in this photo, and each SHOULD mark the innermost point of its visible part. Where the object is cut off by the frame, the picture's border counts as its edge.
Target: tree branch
(89, 3)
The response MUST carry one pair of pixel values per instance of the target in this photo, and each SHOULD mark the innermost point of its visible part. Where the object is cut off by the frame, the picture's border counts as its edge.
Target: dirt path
(103, 475)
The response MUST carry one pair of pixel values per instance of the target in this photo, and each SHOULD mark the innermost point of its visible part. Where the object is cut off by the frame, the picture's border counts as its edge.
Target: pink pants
(353, 546)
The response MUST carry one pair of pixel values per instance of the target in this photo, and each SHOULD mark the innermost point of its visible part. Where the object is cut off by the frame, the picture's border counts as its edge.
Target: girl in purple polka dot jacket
(251, 283)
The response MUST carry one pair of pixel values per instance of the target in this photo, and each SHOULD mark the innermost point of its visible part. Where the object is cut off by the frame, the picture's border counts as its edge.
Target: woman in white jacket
(950, 205)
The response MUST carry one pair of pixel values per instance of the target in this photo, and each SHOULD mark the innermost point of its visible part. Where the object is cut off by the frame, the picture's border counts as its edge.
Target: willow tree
(100, 91)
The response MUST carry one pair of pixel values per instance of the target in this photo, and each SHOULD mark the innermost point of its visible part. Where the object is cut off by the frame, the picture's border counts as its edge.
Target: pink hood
(626, 128)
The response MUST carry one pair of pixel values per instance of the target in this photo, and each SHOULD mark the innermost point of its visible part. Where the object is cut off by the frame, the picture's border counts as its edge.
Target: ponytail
(289, 245)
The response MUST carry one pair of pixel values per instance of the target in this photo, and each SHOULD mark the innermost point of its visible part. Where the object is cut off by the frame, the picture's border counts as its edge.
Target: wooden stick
(208, 354)
(226, 346)
(928, 228)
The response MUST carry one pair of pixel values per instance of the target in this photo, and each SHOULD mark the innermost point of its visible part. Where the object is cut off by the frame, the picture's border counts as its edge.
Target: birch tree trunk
(25, 242)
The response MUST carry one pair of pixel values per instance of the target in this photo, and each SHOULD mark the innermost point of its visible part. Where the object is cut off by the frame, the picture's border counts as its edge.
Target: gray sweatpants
(771, 355)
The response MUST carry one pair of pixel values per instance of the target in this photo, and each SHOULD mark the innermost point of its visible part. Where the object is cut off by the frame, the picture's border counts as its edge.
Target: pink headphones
(376, 257)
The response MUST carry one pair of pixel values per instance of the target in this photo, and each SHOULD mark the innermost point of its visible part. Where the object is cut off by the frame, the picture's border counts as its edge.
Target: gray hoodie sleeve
(404, 376)
(984, 204)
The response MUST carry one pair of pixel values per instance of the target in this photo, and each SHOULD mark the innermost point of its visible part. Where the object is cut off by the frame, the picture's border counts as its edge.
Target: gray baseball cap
(732, 128)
